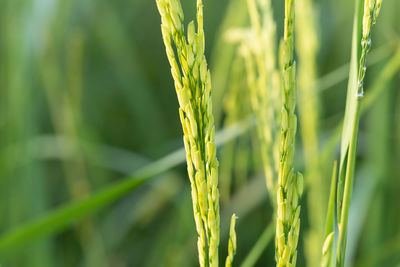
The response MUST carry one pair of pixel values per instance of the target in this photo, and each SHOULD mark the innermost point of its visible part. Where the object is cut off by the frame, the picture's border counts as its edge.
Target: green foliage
(92, 158)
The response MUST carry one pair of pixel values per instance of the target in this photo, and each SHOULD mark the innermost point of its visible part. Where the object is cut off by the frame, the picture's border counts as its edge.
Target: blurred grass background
(86, 98)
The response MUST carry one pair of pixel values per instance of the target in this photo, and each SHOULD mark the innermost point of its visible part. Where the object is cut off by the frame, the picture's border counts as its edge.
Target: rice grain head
(290, 184)
(231, 242)
(257, 47)
(371, 12)
(193, 88)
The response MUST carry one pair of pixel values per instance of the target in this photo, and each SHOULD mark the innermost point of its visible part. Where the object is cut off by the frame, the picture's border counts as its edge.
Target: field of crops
(199, 133)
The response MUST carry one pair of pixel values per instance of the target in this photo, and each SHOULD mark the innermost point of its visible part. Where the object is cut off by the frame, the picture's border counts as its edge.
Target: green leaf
(351, 99)
(60, 218)
(330, 221)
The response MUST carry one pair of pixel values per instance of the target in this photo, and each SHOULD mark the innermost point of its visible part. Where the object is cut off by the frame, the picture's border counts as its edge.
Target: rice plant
(193, 89)
(290, 184)
(356, 92)
(256, 45)
(105, 115)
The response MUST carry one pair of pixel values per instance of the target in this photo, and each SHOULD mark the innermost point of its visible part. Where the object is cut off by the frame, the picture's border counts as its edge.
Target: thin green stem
(327, 248)
(356, 92)
(348, 187)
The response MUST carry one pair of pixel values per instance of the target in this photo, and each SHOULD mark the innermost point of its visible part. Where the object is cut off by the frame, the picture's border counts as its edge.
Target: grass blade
(327, 250)
(351, 102)
(60, 218)
(356, 90)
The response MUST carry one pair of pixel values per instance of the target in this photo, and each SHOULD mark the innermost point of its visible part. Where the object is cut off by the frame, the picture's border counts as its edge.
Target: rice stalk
(290, 185)
(257, 47)
(263, 129)
(370, 12)
(193, 87)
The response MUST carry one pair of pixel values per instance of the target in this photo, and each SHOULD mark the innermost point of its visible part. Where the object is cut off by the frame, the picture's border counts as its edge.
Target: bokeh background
(87, 102)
